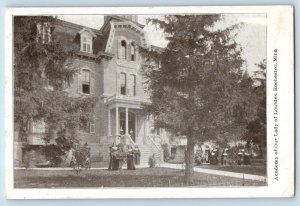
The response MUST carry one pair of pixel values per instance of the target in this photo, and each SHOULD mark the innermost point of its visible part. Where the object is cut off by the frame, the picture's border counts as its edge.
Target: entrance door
(131, 124)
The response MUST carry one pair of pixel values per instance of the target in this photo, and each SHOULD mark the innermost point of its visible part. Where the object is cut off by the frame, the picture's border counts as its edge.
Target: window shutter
(119, 48)
(92, 82)
(79, 84)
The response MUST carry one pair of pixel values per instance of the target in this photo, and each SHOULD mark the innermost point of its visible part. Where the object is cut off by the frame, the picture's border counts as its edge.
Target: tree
(42, 71)
(256, 129)
(197, 86)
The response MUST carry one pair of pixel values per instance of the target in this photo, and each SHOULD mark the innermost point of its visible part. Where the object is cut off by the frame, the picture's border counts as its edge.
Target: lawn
(251, 169)
(146, 177)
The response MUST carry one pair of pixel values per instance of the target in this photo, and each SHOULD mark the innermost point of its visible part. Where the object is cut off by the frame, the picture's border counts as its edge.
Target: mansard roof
(70, 32)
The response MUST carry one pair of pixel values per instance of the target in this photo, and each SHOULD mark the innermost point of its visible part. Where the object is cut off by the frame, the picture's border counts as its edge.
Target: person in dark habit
(130, 160)
(137, 155)
(115, 161)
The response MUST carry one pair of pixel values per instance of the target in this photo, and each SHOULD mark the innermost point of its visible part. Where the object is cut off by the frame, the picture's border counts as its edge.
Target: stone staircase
(147, 148)
(146, 152)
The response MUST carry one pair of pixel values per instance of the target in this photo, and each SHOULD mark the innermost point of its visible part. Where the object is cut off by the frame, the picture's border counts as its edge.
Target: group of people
(121, 153)
(212, 156)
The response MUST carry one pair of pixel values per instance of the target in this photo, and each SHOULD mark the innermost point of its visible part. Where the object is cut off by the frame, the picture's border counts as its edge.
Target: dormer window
(43, 32)
(86, 40)
(86, 44)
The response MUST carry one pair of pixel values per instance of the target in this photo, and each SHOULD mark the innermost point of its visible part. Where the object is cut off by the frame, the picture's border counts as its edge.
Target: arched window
(123, 49)
(132, 51)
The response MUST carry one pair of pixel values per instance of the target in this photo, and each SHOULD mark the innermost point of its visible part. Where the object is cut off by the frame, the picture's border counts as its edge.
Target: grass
(146, 177)
(251, 169)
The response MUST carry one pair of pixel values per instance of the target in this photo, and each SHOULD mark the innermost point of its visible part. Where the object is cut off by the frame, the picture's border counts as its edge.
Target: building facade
(110, 68)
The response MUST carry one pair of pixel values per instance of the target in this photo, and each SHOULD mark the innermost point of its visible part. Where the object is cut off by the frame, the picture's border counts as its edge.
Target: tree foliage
(197, 86)
(256, 129)
(42, 74)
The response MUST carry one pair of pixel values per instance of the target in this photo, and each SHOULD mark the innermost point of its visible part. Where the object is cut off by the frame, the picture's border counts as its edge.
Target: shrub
(166, 152)
(152, 161)
(53, 154)
(81, 158)
(198, 157)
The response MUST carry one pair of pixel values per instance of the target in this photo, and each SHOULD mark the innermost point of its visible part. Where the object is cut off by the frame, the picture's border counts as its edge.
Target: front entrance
(131, 124)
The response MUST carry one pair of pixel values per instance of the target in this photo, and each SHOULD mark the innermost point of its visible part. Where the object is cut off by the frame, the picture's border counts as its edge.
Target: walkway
(218, 172)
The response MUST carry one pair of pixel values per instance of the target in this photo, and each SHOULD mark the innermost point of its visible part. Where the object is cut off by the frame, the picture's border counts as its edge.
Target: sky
(251, 35)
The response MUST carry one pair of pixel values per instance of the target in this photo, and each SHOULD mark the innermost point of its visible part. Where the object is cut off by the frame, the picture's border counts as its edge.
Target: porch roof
(134, 102)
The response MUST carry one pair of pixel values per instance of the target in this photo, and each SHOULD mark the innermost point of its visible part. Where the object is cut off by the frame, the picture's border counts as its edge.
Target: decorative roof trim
(89, 31)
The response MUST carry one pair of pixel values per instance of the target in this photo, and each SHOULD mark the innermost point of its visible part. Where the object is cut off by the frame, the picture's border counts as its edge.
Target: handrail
(154, 143)
(130, 139)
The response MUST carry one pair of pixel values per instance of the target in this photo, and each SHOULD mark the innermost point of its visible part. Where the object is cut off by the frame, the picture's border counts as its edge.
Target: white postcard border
(280, 36)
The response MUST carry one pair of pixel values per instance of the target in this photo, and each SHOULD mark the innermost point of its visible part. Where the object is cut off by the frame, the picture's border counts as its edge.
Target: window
(123, 84)
(38, 127)
(86, 44)
(123, 50)
(132, 85)
(92, 125)
(132, 52)
(86, 81)
(87, 126)
(43, 32)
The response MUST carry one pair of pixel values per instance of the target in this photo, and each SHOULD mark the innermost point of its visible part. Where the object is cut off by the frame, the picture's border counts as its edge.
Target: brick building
(109, 64)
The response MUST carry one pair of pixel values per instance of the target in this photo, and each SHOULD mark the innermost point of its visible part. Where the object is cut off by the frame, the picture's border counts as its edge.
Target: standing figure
(240, 157)
(115, 161)
(224, 157)
(137, 155)
(214, 157)
(130, 160)
(207, 154)
(110, 158)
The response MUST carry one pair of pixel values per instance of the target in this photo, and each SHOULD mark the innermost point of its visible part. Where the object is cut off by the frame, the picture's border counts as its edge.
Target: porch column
(126, 121)
(117, 120)
(109, 123)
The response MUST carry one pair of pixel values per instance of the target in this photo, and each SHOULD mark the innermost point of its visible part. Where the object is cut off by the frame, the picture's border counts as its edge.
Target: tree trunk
(189, 161)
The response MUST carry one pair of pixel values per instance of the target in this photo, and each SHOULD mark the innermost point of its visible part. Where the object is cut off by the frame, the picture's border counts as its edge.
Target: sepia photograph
(141, 100)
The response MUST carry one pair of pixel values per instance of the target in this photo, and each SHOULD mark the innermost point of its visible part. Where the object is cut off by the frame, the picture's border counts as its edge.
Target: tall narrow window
(123, 84)
(86, 81)
(132, 52)
(123, 49)
(132, 85)
(92, 125)
(43, 32)
(86, 44)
